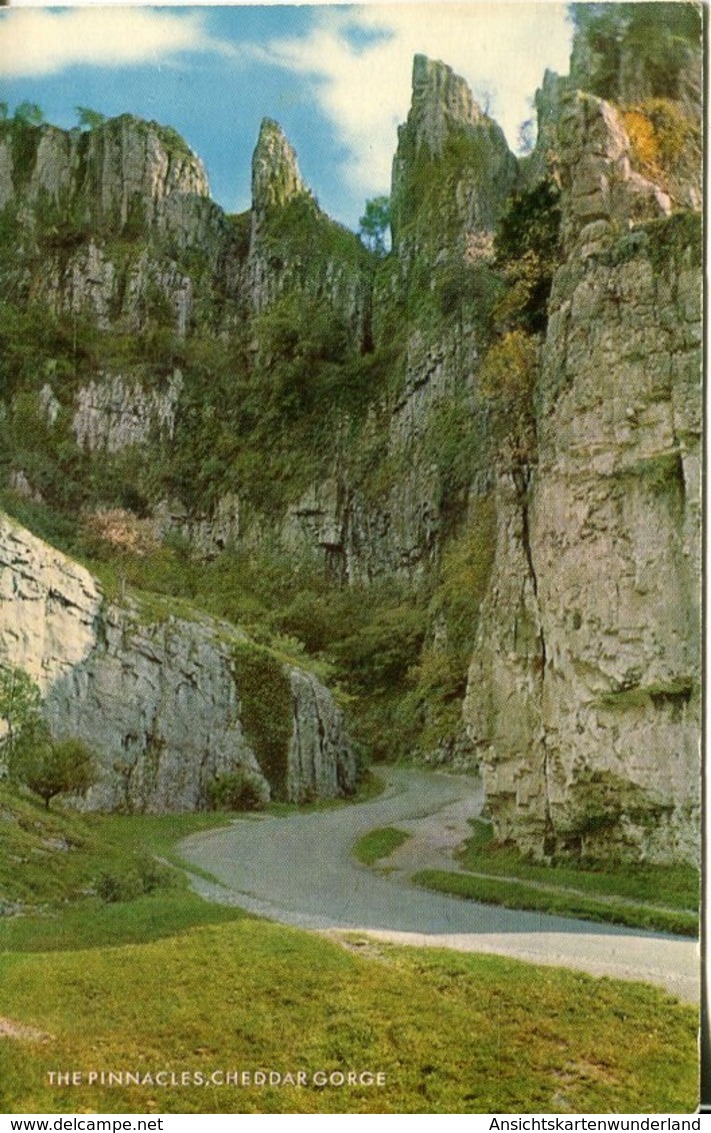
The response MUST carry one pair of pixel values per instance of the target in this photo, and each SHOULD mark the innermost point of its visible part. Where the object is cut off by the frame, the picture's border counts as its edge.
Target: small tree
(29, 113)
(375, 225)
(89, 118)
(49, 768)
(19, 702)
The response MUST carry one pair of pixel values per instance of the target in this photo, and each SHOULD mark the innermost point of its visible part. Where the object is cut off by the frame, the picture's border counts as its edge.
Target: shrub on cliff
(266, 711)
(19, 703)
(506, 381)
(50, 768)
(238, 790)
(527, 247)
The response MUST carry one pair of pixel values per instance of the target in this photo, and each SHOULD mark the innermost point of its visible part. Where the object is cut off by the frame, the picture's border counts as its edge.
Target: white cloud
(43, 42)
(362, 83)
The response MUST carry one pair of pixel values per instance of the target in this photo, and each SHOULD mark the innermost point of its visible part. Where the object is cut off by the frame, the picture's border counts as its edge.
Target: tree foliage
(29, 113)
(238, 790)
(50, 768)
(375, 225)
(19, 702)
(89, 118)
(507, 380)
(656, 35)
(527, 247)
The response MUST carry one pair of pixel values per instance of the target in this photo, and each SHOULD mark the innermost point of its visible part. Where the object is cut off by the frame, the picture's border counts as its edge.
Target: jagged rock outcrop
(582, 701)
(452, 158)
(602, 194)
(122, 173)
(583, 697)
(158, 696)
(208, 534)
(119, 213)
(276, 179)
(295, 246)
(113, 414)
(49, 606)
(451, 176)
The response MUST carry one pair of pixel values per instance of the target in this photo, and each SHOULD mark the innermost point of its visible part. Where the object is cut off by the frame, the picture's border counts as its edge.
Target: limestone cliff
(493, 430)
(168, 700)
(120, 215)
(584, 690)
(452, 173)
(295, 246)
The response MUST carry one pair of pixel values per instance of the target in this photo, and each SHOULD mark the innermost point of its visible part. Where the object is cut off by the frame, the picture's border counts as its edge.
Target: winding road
(300, 870)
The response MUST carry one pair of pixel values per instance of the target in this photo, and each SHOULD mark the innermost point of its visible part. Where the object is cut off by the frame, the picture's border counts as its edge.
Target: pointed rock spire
(439, 99)
(471, 169)
(275, 173)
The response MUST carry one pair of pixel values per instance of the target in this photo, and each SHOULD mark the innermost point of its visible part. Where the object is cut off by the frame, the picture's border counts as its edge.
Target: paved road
(300, 870)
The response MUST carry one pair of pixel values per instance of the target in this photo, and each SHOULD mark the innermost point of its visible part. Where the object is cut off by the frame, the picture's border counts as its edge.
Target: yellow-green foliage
(509, 368)
(661, 136)
(506, 379)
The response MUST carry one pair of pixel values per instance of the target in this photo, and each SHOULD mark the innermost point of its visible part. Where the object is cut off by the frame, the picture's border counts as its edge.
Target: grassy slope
(657, 897)
(51, 863)
(166, 980)
(453, 1033)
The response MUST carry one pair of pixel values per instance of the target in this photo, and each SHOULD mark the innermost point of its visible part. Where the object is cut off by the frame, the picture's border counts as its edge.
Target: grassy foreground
(650, 897)
(161, 982)
(451, 1033)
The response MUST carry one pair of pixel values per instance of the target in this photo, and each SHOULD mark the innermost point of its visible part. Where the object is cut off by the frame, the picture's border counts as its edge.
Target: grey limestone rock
(153, 692)
(583, 697)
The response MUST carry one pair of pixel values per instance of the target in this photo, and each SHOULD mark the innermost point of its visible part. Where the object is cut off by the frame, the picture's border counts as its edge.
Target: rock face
(276, 179)
(155, 695)
(117, 213)
(294, 246)
(582, 704)
(112, 414)
(583, 695)
(452, 173)
(49, 607)
(451, 150)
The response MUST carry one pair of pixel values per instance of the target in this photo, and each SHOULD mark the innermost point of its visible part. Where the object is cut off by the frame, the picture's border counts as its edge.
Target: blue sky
(336, 77)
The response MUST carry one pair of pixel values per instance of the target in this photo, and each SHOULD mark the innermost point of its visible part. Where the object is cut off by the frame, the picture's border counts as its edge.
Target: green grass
(377, 844)
(674, 886)
(168, 981)
(654, 897)
(52, 864)
(93, 924)
(519, 895)
(452, 1033)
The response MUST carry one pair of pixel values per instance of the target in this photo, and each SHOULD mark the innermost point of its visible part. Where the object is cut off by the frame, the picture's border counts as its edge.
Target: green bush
(146, 876)
(528, 250)
(47, 767)
(656, 36)
(264, 691)
(378, 656)
(237, 790)
(507, 381)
